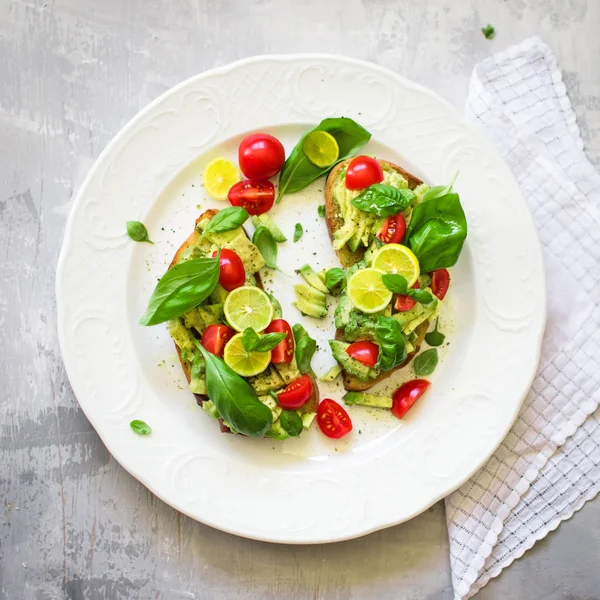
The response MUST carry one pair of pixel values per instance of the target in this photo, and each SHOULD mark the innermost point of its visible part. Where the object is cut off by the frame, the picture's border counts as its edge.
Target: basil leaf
(305, 349)
(383, 200)
(392, 346)
(226, 220)
(435, 338)
(437, 231)
(335, 279)
(488, 31)
(137, 232)
(265, 242)
(321, 210)
(421, 296)
(292, 423)
(181, 288)
(298, 232)
(140, 427)
(439, 190)
(298, 172)
(395, 283)
(234, 398)
(253, 342)
(426, 362)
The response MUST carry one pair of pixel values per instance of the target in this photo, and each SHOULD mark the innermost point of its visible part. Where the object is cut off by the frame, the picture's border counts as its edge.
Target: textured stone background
(72, 72)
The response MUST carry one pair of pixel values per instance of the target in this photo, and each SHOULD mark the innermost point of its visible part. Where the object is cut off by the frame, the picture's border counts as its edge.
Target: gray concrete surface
(72, 72)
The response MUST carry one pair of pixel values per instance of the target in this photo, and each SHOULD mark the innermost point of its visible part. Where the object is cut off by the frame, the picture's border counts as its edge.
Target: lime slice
(367, 291)
(218, 177)
(246, 364)
(248, 306)
(321, 148)
(397, 259)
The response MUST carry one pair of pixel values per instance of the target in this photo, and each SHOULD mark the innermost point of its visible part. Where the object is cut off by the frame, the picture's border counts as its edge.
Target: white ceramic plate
(311, 489)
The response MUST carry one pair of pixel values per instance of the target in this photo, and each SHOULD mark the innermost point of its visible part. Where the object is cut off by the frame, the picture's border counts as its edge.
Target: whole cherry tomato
(297, 394)
(440, 282)
(332, 419)
(365, 352)
(215, 338)
(404, 303)
(407, 394)
(260, 156)
(256, 197)
(362, 172)
(231, 270)
(284, 351)
(393, 229)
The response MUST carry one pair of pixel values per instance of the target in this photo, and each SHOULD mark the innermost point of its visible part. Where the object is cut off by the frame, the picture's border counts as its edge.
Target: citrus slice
(367, 291)
(321, 148)
(244, 363)
(218, 177)
(397, 259)
(248, 306)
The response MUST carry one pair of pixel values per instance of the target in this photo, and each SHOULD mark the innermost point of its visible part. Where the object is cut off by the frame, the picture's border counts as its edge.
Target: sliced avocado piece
(198, 385)
(419, 192)
(410, 319)
(332, 374)
(313, 279)
(211, 313)
(310, 293)
(194, 318)
(310, 309)
(277, 312)
(269, 401)
(307, 419)
(363, 399)
(265, 381)
(277, 432)
(220, 239)
(247, 251)
(349, 364)
(181, 335)
(266, 221)
(342, 312)
(360, 326)
(322, 275)
(209, 407)
(218, 295)
(354, 242)
(288, 371)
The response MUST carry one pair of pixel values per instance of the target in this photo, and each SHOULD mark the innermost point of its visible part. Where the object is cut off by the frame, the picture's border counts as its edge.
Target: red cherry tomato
(284, 351)
(297, 394)
(365, 352)
(362, 172)
(333, 420)
(404, 303)
(232, 273)
(440, 282)
(393, 229)
(256, 197)
(215, 338)
(260, 156)
(407, 394)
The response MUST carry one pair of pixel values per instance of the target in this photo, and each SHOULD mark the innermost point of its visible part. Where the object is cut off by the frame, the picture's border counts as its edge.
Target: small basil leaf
(140, 427)
(305, 348)
(392, 345)
(250, 339)
(395, 283)
(439, 190)
(383, 200)
(137, 232)
(226, 220)
(298, 232)
(265, 242)
(291, 422)
(335, 279)
(321, 210)
(426, 362)
(234, 398)
(421, 296)
(435, 338)
(268, 341)
(181, 288)
(488, 31)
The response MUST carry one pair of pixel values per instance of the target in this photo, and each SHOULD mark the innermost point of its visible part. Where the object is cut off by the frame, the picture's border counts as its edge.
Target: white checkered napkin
(549, 464)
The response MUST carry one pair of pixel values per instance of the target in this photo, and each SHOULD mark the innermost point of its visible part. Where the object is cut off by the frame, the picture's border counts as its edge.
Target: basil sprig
(181, 288)
(265, 242)
(291, 422)
(305, 349)
(226, 220)
(140, 427)
(253, 342)
(435, 337)
(383, 200)
(298, 172)
(234, 398)
(426, 362)
(392, 346)
(397, 283)
(137, 232)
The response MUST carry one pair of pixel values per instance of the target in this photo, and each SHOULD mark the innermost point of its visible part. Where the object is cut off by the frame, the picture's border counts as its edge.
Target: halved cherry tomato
(215, 338)
(297, 394)
(404, 303)
(365, 352)
(333, 420)
(440, 282)
(407, 394)
(362, 172)
(284, 351)
(261, 156)
(256, 197)
(232, 273)
(393, 229)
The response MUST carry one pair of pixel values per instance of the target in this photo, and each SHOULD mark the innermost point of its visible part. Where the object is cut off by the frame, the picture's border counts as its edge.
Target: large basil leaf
(265, 242)
(383, 200)
(392, 346)
(305, 349)
(234, 398)
(298, 171)
(226, 220)
(437, 231)
(181, 288)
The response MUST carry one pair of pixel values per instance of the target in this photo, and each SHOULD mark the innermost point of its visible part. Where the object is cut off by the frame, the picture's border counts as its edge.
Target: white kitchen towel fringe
(549, 464)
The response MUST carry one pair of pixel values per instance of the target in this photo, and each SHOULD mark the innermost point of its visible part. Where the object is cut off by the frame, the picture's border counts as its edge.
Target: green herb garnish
(140, 427)
(226, 220)
(335, 279)
(253, 342)
(426, 362)
(265, 242)
(291, 422)
(488, 31)
(383, 200)
(397, 283)
(321, 210)
(298, 232)
(392, 345)
(305, 349)
(435, 338)
(137, 232)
